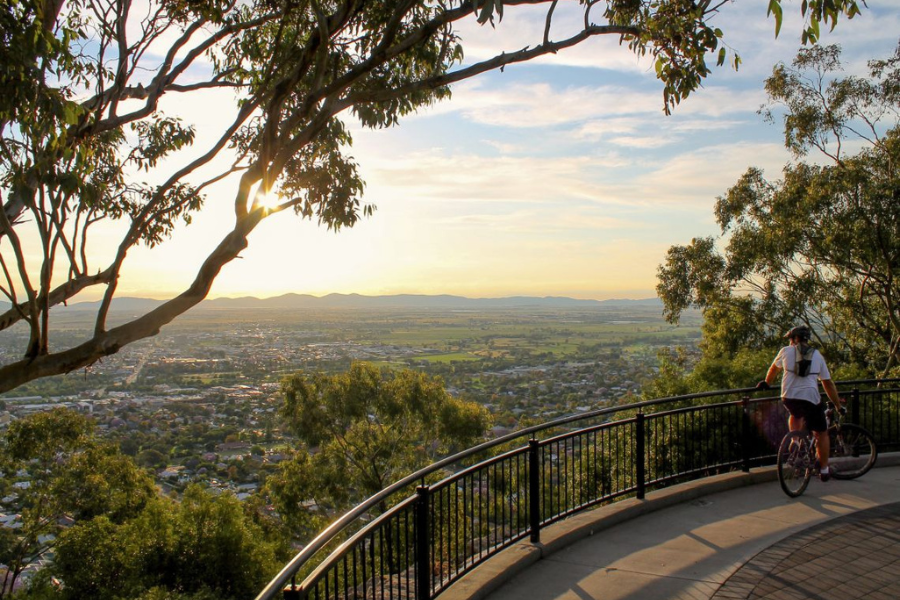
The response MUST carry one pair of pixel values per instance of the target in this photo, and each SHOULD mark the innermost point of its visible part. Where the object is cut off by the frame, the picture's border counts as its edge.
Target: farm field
(519, 359)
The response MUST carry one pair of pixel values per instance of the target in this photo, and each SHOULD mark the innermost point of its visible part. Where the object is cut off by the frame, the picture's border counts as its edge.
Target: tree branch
(524, 55)
(60, 295)
(106, 343)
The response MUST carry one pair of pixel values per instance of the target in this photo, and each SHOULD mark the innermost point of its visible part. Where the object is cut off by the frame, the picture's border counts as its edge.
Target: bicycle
(853, 453)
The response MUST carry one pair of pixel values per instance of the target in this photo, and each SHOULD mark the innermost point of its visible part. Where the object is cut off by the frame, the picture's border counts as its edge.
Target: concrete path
(704, 540)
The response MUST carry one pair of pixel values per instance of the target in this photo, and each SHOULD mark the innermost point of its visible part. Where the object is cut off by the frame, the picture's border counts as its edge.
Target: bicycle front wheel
(795, 463)
(853, 451)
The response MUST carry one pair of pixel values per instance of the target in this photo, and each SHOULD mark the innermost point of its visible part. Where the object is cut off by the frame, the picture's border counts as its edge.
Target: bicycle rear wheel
(853, 451)
(795, 463)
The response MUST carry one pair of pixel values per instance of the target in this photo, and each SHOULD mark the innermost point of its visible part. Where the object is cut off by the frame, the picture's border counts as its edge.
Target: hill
(305, 301)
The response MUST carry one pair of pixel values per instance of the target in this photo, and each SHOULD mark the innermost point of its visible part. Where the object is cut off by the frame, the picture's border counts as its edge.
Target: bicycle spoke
(853, 451)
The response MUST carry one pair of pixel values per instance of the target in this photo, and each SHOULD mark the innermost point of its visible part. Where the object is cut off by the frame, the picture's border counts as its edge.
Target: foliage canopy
(821, 246)
(369, 428)
(111, 533)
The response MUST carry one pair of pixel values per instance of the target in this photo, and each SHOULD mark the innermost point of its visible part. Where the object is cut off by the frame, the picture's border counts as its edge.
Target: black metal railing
(434, 533)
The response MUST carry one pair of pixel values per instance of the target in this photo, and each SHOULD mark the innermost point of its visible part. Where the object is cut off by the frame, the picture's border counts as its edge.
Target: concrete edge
(500, 568)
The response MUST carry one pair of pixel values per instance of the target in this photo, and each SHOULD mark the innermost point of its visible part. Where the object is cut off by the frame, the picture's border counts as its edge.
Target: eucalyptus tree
(101, 526)
(200, 547)
(63, 472)
(822, 244)
(370, 428)
(85, 139)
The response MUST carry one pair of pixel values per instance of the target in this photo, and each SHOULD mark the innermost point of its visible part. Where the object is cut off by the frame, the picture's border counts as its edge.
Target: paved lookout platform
(729, 537)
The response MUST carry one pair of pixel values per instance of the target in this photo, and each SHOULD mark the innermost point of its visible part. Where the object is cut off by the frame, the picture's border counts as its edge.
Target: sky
(561, 177)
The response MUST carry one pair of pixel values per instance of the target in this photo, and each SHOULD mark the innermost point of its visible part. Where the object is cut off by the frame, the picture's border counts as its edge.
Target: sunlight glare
(268, 200)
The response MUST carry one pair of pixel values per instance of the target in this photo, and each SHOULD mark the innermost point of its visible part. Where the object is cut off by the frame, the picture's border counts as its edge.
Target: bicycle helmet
(801, 331)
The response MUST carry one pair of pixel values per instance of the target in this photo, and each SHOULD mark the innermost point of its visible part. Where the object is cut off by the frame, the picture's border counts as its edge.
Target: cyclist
(802, 366)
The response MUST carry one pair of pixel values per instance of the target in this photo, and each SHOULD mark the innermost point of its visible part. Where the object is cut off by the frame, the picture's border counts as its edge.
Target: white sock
(825, 470)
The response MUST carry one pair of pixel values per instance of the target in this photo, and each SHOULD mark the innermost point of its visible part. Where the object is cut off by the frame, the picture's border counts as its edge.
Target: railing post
(640, 473)
(423, 543)
(745, 434)
(534, 490)
(292, 592)
(854, 406)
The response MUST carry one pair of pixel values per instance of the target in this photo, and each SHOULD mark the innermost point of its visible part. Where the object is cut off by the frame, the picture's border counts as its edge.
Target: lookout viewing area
(670, 498)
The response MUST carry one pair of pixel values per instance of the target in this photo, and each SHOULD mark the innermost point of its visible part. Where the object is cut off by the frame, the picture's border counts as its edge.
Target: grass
(449, 357)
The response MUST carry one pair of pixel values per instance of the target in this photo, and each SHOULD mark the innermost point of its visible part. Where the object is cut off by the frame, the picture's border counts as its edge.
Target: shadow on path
(690, 550)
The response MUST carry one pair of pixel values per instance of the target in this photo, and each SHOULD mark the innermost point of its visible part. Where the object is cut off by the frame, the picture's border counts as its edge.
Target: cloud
(718, 102)
(470, 177)
(692, 178)
(598, 128)
(549, 220)
(469, 180)
(641, 142)
(543, 105)
(696, 178)
(633, 132)
(697, 125)
(505, 148)
(594, 110)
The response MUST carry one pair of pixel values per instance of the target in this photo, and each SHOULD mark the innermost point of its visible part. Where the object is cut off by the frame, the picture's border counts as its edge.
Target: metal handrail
(287, 574)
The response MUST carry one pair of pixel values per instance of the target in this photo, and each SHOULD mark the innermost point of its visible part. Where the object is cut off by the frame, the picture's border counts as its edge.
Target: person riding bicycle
(802, 367)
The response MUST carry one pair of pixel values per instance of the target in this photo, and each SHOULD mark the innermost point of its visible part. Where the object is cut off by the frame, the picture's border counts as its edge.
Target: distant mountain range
(444, 301)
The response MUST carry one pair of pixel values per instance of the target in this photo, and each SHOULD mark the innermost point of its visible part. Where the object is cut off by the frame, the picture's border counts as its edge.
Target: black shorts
(812, 414)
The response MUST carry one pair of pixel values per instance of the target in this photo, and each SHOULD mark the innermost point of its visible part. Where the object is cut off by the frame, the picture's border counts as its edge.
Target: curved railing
(451, 516)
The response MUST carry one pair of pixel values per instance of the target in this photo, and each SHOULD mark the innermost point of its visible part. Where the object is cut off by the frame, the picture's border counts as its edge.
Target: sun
(268, 200)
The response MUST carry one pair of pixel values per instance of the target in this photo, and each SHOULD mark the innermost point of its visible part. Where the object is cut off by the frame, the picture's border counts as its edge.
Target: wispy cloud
(691, 179)
(542, 105)
(696, 178)
(641, 142)
(505, 148)
(596, 111)
(550, 219)
(474, 178)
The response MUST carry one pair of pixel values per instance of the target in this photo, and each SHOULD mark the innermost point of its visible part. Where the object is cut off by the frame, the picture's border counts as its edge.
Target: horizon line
(416, 294)
(342, 296)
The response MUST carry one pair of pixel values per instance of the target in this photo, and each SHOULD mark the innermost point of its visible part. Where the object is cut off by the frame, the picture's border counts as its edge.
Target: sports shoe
(824, 476)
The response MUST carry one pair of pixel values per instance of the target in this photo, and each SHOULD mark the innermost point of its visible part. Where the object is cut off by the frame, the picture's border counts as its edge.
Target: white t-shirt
(796, 387)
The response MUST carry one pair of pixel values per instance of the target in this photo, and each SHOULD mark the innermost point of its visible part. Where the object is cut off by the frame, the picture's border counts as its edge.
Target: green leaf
(721, 60)
(775, 9)
(487, 12)
(70, 114)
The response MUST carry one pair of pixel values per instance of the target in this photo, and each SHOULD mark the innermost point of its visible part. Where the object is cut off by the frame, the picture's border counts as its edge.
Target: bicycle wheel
(795, 463)
(853, 451)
